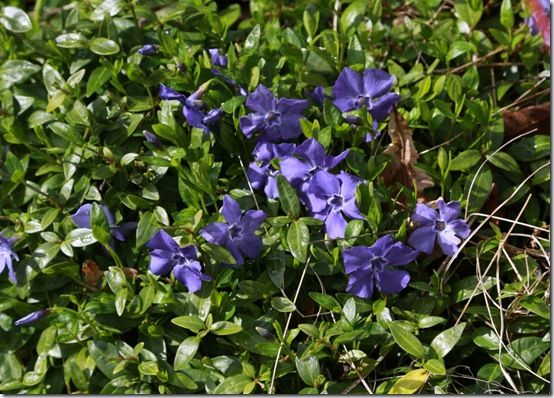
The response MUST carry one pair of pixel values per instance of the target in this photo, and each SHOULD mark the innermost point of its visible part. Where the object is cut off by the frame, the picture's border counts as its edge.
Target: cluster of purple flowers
(368, 267)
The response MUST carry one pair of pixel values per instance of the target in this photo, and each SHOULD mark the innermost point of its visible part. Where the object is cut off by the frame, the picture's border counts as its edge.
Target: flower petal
(356, 258)
(448, 242)
(287, 105)
(162, 241)
(82, 216)
(332, 161)
(376, 82)
(361, 284)
(257, 175)
(460, 227)
(392, 281)
(424, 215)
(324, 184)
(251, 123)
(423, 239)
(251, 220)
(312, 151)
(290, 126)
(161, 262)
(261, 100)
(449, 211)
(231, 210)
(335, 225)
(348, 185)
(167, 93)
(383, 106)
(235, 252)
(382, 245)
(349, 207)
(250, 245)
(188, 276)
(271, 190)
(294, 170)
(216, 232)
(346, 89)
(400, 254)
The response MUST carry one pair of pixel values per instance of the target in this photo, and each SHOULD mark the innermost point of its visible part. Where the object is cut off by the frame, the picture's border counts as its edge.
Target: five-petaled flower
(353, 90)
(32, 317)
(167, 256)
(237, 234)
(439, 224)
(261, 173)
(6, 254)
(278, 120)
(367, 267)
(330, 196)
(216, 58)
(309, 158)
(82, 218)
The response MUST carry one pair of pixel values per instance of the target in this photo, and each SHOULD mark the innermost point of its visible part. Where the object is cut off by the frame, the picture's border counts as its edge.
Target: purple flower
(440, 225)
(353, 90)
(32, 317)
(152, 139)
(318, 95)
(147, 49)
(278, 120)
(167, 256)
(82, 219)
(261, 173)
(217, 58)
(6, 254)
(192, 107)
(539, 21)
(237, 234)
(330, 197)
(375, 266)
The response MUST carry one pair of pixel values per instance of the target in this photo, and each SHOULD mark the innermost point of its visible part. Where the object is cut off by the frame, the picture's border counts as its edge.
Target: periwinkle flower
(261, 173)
(152, 138)
(331, 197)
(278, 120)
(217, 58)
(237, 234)
(353, 90)
(82, 218)
(318, 95)
(147, 49)
(367, 267)
(6, 254)
(32, 317)
(192, 107)
(540, 18)
(167, 256)
(309, 158)
(439, 225)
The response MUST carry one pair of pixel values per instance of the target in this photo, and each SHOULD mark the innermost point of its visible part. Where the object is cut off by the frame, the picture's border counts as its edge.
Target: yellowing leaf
(410, 383)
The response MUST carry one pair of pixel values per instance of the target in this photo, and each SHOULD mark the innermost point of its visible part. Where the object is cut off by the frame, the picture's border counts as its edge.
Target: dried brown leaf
(526, 119)
(404, 156)
(92, 272)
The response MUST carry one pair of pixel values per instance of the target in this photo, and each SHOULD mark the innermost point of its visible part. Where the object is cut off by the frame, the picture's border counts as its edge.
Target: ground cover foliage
(210, 257)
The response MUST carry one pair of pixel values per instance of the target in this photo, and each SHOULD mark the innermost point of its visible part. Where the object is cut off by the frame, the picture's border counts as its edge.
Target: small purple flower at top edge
(6, 254)
(216, 58)
(309, 158)
(539, 21)
(367, 267)
(237, 234)
(147, 49)
(82, 219)
(533, 28)
(330, 197)
(261, 173)
(439, 224)
(278, 120)
(352, 90)
(167, 256)
(32, 317)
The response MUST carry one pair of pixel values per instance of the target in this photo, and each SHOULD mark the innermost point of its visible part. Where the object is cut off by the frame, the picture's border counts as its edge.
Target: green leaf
(298, 238)
(107, 7)
(146, 228)
(288, 198)
(507, 14)
(16, 71)
(435, 366)
(15, 20)
(536, 306)
(326, 301)
(97, 78)
(459, 48)
(486, 338)
(71, 40)
(445, 341)
(430, 321)
(480, 189)
(233, 385)
(526, 350)
(148, 368)
(282, 304)
(253, 40)
(530, 148)
(311, 21)
(120, 301)
(465, 160)
(47, 340)
(80, 237)
(105, 355)
(103, 46)
(406, 340)
(464, 289)
(218, 253)
(308, 369)
(352, 16)
(190, 322)
(186, 350)
(410, 383)
(505, 162)
(225, 328)
(53, 80)
(470, 11)
(489, 372)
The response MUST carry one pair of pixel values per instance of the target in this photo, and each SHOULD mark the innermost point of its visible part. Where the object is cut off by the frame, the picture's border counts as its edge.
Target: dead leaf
(404, 156)
(130, 272)
(526, 119)
(92, 272)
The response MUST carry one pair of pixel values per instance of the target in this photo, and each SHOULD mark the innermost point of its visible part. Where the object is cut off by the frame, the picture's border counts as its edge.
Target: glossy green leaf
(406, 340)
